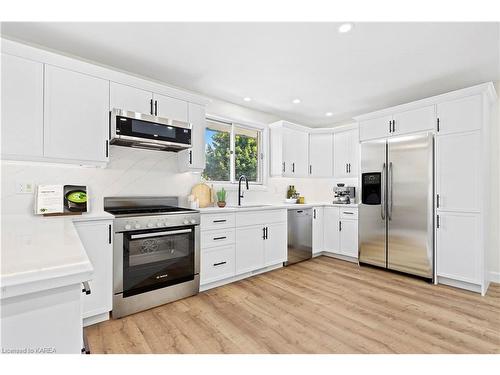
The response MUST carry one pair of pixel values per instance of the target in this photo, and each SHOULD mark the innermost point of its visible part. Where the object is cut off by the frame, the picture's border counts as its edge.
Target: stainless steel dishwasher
(299, 235)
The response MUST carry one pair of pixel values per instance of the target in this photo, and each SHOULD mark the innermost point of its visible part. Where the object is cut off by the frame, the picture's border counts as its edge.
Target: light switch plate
(24, 187)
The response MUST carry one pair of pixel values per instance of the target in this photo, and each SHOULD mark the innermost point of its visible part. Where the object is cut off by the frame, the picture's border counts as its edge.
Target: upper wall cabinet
(22, 107)
(130, 98)
(171, 108)
(406, 122)
(346, 153)
(321, 154)
(194, 158)
(76, 118)
(289, 148)
(464, 114)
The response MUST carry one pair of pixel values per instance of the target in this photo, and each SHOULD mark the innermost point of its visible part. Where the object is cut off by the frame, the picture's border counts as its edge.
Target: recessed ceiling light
(296, 101)
(328, 114)
(247, 99)
(345, 28)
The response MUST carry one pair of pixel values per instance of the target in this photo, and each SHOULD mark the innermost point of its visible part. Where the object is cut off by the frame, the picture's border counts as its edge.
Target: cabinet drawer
(260, 217)
(217, 263)
(213, 238)
(217, 221)
(348, 213)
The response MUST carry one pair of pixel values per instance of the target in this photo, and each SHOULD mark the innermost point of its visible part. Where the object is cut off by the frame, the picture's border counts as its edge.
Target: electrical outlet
(24, 187)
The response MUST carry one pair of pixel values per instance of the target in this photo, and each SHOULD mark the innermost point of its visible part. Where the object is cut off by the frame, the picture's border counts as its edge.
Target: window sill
(234, 187)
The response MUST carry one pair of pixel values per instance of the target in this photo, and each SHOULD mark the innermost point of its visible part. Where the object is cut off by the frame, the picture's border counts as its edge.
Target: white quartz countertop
(288, 206)
(40, 253)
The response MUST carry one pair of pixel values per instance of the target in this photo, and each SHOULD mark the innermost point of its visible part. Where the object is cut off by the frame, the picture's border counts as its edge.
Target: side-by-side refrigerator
(396, 218)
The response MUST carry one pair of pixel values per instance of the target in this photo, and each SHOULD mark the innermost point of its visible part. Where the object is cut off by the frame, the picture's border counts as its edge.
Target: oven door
(154, 259)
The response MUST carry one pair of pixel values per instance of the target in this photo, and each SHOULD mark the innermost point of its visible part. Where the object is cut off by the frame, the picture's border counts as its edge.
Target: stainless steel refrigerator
(396, 211)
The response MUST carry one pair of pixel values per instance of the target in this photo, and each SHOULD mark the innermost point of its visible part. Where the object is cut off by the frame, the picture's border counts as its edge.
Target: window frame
(262, 147)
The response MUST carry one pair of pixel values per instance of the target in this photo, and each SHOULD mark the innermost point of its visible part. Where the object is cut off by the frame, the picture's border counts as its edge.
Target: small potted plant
(221, 198)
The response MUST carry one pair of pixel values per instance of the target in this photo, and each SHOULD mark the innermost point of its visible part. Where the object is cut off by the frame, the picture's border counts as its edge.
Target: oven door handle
(156, 234)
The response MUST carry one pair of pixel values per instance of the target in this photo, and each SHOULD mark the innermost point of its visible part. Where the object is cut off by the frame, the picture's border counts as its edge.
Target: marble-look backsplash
(141, 172)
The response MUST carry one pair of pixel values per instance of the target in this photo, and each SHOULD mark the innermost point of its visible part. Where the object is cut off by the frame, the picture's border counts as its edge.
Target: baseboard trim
(338, 256)
(95, 319)
(495, 277)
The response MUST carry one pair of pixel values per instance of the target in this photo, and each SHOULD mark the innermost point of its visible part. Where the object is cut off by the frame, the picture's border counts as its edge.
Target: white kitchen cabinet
(460, 115)
(346, 153)
(22, 107)
(459, 255)
(194, 158)
(171, 108)
(458, 186)
(331, 229)
(275, 244)
(217, 263)
(317, 230)
(76, 116)
(289, 149)
(374, 128)
(249, 248)
(413, 121)
(96, 237)
(349, 238)
(321, 154)
(130, 98)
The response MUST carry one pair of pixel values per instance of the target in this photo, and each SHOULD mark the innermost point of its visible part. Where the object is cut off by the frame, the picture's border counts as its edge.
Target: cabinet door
(414, 121)
(458, 171)
(76, 118)
(170, 108)
(321, 155)
(374, 128)
(349, 238)
(96, 239)
(317, 230)
(249, 248)
(460, 115)
(341, 151)
(287, 140)
(276, 150)
(275, 245)
(353, 155)
(331, 229)
(130, 98)
(22, 107)
(194, 158)
(296, 144)
(459, 246)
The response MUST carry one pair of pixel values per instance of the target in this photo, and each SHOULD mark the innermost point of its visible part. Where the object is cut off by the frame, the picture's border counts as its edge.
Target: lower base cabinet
(317, 230)
(275, 244)
(341, 231)
(217, 263)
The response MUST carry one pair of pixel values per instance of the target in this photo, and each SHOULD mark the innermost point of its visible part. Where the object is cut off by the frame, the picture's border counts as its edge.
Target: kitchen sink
(250, 206)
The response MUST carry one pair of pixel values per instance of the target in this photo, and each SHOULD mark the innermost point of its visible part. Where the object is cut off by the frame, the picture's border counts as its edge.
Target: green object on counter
(221, 195)
(290, 192)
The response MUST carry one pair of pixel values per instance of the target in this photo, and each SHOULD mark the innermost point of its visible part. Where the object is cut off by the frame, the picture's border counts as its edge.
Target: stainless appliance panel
(299, 235)
(410, 205)
(372, 218)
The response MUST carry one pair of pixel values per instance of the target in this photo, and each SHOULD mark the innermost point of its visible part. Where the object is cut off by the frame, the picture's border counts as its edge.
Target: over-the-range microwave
(133, 129)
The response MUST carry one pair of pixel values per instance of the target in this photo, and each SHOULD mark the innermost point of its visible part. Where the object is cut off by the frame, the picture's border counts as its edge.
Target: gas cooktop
(143, 206)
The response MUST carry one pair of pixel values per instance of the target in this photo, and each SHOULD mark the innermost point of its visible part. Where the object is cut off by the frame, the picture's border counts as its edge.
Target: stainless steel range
(156, 252)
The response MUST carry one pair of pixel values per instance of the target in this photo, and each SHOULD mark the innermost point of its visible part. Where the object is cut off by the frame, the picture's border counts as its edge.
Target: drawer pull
(219, 238)
(220, 221)
(348, 213)
(219, 264)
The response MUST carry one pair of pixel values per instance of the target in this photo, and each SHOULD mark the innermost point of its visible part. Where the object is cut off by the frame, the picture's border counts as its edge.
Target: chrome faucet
(240, 195)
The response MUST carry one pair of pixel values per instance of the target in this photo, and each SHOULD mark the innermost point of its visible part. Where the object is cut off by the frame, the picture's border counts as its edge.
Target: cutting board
(204, 194)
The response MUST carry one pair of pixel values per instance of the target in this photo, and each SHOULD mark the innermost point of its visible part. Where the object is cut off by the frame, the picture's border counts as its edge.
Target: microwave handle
(156, 234)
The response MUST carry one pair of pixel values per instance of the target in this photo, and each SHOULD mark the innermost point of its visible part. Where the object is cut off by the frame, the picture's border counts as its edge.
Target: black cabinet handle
(219, 264)
(437, 201)
(438, 124)
(390, 126)
(86, 288)
(151, 106)
(190, 157)
(437, 223)
(219, 221)
(109, 233)
(348, 213)
(340, 226)
(267, 229)
(310, 169)
(293, 167)
(264, 233)
(283, 167)
(107, 148)
(156, 108)
(219, 238)
(393, 126)
(314, 214)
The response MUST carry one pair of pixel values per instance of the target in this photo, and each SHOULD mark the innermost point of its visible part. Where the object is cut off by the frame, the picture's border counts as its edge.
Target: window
(232, 150)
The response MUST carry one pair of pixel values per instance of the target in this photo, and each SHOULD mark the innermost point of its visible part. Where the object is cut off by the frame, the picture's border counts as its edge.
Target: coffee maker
(344, 194)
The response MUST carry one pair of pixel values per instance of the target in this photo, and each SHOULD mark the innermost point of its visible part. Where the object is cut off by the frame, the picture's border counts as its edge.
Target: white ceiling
(374, 66)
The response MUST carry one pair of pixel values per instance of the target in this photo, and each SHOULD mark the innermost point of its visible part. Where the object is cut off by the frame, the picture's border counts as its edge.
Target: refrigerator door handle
(389, 193)
(382, 194)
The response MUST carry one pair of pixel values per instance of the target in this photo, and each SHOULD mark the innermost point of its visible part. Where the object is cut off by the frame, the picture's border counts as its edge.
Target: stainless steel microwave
(133, 129)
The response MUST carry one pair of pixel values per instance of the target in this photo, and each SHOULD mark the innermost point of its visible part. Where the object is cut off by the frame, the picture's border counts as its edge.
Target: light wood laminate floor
(322, 305)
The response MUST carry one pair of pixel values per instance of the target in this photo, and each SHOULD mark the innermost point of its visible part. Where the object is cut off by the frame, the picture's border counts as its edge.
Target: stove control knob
(128, 227)
(150, 225)
(159, 224)
(137, 226)
(193, 221)
(186, 222)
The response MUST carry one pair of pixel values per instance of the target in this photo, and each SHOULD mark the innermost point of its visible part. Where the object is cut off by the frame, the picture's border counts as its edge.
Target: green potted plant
(221, 198)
